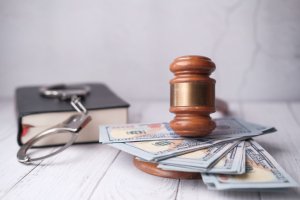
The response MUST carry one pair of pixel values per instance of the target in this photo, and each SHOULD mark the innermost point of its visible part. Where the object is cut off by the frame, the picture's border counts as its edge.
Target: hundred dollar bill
(232, 163)
(136, 132)
(226, 127)
(162, 149)
(202, 158)
(233, 127)
(262, 172)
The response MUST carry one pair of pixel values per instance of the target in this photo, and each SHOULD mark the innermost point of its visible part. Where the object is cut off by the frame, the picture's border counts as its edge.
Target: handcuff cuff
(71, 125)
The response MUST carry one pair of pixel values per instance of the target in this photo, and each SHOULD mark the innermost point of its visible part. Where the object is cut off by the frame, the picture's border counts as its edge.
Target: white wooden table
(100, 172)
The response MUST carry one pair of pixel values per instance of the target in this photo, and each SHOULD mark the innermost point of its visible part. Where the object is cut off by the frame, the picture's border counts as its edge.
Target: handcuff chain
(77, 105)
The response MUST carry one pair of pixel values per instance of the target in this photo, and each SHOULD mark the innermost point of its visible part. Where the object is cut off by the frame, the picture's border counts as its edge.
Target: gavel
(192, 100)
(192, 97)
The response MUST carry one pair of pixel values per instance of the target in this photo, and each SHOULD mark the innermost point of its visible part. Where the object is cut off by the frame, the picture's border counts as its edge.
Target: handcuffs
(72, 125)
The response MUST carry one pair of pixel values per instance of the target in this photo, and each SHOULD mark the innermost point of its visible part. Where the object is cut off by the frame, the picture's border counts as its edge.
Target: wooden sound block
(151, 168)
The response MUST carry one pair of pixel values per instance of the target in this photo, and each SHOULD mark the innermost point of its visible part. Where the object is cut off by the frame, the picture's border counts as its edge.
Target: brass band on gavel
(192, 96)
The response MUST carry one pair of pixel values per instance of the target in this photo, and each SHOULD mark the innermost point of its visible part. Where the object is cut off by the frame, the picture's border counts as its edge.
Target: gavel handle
(222, 106)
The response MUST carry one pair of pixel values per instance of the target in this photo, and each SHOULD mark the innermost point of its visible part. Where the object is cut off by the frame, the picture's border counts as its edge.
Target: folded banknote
(262, 172)
(232, 162)
(226, 127)
(202, 158)
(162, 149)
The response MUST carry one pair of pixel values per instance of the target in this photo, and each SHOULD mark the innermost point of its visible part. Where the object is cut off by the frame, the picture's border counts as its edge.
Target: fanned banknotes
(232, 162)
(226, 128)
(262, 172)
(161, 149)
(202, 158)
(224, 159)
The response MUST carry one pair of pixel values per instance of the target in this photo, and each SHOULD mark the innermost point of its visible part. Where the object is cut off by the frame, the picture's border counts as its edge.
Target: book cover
(37, 113)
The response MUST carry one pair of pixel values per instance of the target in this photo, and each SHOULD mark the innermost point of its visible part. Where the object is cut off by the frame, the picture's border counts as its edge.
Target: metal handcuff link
(72, 125)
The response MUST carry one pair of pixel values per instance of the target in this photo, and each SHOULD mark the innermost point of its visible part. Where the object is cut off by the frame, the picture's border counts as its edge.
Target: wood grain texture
(196, 190)
(71, 175)
(283, 145)
(101, 172)
(11, 172)
(151, 168)
(295, 110)
(124, 181)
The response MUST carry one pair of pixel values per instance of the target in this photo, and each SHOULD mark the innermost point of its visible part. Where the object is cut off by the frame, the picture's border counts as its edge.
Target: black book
(37, 113)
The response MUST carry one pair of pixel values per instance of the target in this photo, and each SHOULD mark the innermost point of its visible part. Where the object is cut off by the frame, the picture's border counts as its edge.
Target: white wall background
(130, 44)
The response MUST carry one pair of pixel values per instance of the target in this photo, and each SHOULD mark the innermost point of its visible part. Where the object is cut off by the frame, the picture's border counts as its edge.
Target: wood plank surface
(283, 145)
(295, 110)
(11, 172)
(101, 172)
(73, 174)
(124, 181)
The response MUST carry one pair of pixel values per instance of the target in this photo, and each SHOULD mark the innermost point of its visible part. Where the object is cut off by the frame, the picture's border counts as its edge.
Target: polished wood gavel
(192, 96)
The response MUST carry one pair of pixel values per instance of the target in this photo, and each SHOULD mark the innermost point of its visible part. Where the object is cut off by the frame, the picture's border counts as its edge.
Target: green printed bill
(226, 128)
(262, 172)
(231, 161)
(162, 149)
(202, 158)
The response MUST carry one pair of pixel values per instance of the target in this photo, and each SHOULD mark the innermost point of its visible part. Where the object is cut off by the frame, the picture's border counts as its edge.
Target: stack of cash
(228, 158)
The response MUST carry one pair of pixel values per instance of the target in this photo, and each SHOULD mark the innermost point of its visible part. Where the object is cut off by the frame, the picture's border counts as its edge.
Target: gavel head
(192, 96)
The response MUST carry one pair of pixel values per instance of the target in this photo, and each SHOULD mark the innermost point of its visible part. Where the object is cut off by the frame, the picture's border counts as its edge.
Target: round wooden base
(151, 168)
